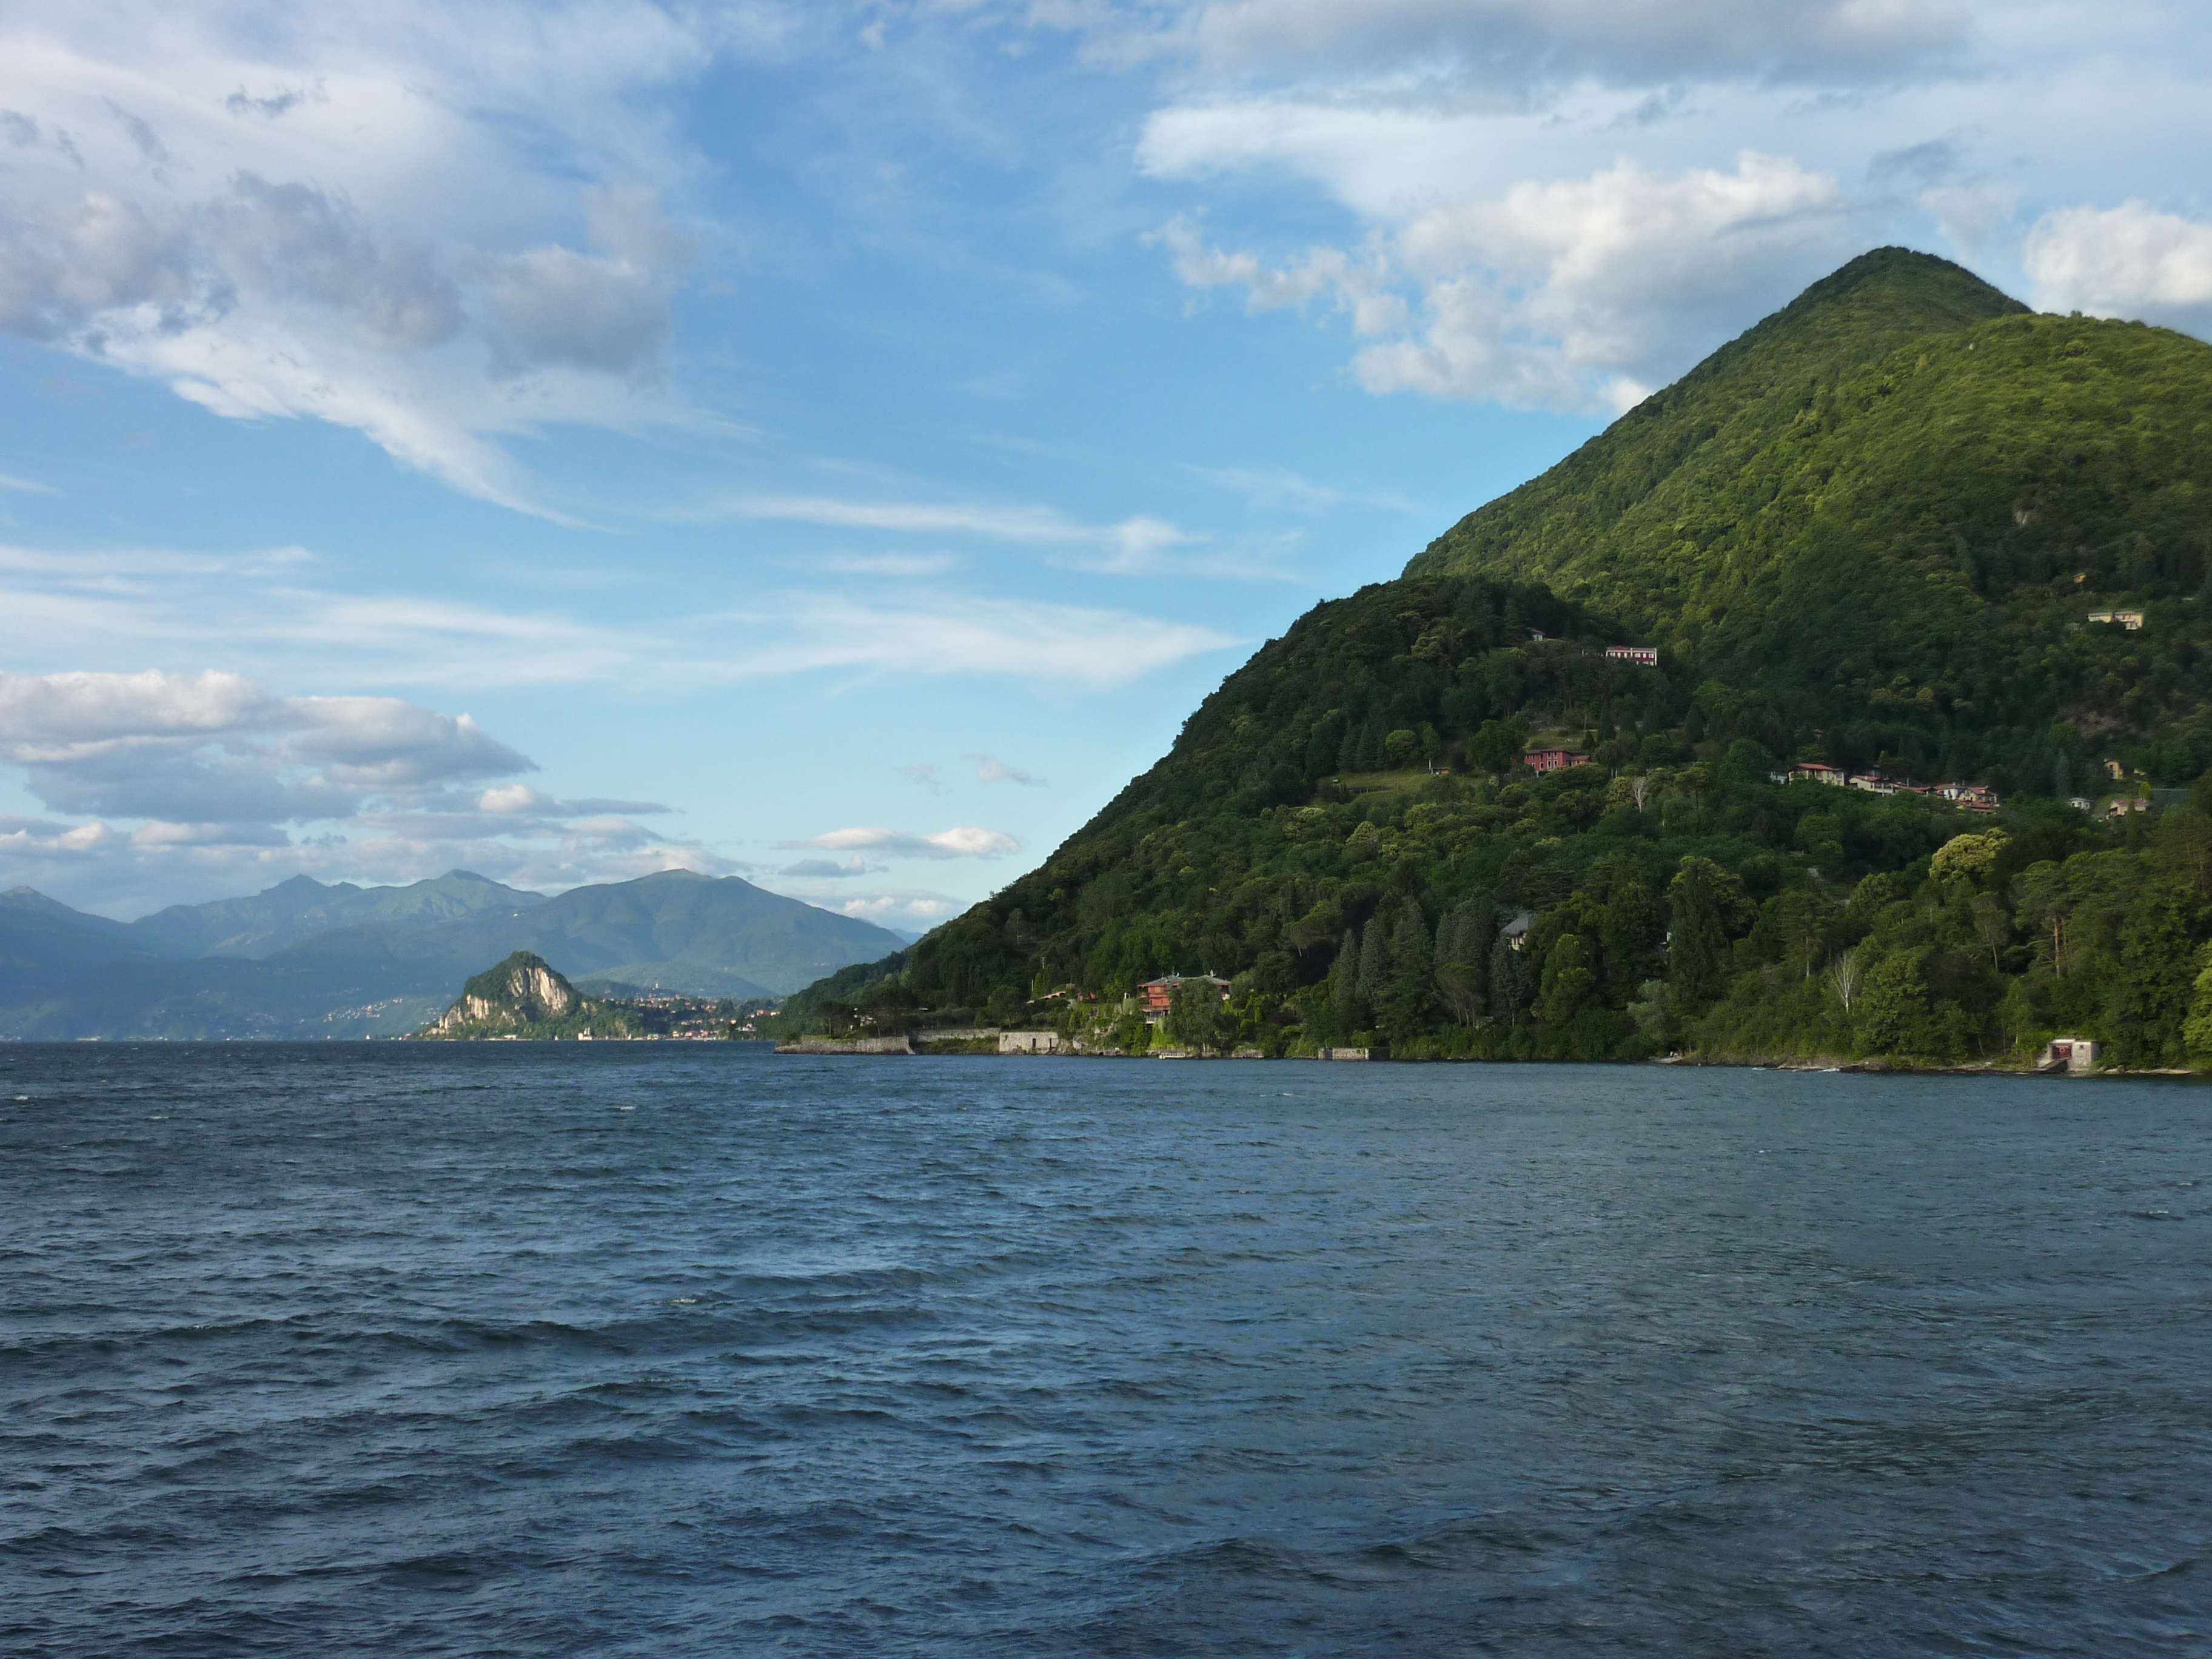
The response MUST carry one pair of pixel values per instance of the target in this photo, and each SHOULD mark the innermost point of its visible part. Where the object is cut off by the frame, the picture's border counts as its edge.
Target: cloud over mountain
(214, 770)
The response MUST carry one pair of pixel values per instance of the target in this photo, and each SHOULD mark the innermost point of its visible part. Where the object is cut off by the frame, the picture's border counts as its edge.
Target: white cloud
(359, 217)
(520, 800)
(828, 868)
(2127, 261)
(915, 909)
(963, 841)
(1576, 294)
(215, 748)
(209, 783)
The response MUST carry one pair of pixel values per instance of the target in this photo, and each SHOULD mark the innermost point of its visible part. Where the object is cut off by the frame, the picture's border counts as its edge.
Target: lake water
(677, 1350)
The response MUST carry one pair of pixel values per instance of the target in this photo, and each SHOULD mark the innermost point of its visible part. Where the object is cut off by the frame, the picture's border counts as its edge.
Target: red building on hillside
(1157, 994)
(1540, 761)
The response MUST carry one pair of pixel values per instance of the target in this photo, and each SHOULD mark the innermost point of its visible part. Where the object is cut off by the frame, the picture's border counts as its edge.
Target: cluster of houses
(1970, 797)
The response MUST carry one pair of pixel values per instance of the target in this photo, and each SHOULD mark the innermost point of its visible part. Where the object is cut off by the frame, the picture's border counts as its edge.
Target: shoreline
(882, 1048)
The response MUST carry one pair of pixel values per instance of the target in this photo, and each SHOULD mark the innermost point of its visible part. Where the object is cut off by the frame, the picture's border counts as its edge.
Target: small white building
(2130, 620)
(1646, 654)
(2069, 1054)
(1819, 772)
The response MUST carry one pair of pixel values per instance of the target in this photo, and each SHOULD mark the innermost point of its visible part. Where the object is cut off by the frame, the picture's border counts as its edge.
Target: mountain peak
(1746, 397)
(1906, 278)
(1859, 311)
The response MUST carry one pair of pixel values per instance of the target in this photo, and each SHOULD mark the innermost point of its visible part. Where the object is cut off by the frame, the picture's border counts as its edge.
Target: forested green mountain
(1878, 521)
(1872, 530)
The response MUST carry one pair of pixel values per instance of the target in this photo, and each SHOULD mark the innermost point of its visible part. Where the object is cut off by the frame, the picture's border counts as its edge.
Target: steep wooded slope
(1885, 514)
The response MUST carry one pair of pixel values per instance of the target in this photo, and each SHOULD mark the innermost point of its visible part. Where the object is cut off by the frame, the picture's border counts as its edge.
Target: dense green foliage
(1880, 518)
(1870, 531)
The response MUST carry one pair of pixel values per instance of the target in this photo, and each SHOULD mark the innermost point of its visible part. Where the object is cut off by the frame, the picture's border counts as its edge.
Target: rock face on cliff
(523, 997)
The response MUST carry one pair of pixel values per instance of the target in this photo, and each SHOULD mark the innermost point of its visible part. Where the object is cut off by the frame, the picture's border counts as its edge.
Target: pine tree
(1373, 961)
(1345, 984)
(1409, 945)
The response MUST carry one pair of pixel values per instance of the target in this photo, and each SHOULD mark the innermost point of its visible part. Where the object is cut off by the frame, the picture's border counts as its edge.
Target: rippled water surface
(689, 1349)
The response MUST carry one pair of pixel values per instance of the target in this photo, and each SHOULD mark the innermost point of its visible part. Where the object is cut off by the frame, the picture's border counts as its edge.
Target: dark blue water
(678, 1350)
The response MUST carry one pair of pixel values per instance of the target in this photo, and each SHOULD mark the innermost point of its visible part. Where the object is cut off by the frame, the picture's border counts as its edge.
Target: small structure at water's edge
(883, 1045)
(1346, 1054)
(1028, 1042)
(2068, 1054)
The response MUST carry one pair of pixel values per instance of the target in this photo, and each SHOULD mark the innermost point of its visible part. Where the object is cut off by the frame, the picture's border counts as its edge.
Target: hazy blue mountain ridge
(266, 923)
(65, 975)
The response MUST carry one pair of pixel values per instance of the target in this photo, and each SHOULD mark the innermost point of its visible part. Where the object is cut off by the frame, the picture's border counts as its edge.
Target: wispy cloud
(989, 769)
(1053, 644)
(25, 486)
(1279, 490)
(829, 869)
(1133, 546)
(915, 909)
(259, 610)
(963, 841)
(888, 564)
(1522, 50)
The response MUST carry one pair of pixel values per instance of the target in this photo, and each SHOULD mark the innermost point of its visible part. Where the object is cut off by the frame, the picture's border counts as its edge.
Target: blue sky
(839, 444)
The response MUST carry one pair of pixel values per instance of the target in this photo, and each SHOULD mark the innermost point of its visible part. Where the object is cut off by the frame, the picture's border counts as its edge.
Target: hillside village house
(2130, 620)
(1646, 654)
(1155, 994)
(1974, 797)
(1968, 797)
(1540, 761)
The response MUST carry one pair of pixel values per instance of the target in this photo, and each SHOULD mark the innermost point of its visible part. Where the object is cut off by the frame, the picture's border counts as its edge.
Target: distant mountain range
(305, 960)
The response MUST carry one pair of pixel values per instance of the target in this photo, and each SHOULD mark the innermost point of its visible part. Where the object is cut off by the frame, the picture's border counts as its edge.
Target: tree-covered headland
(1872, 532)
